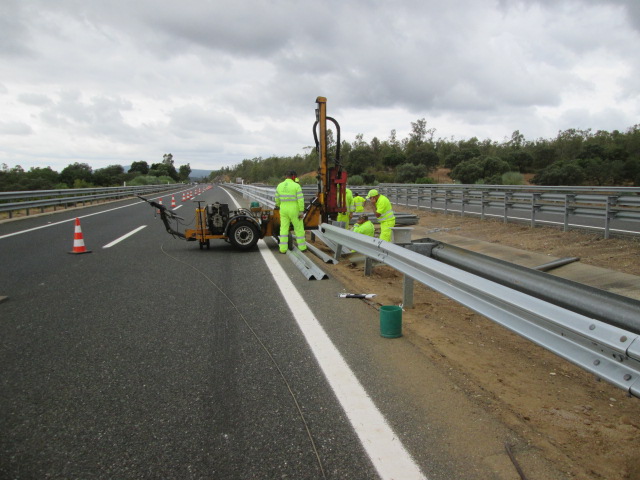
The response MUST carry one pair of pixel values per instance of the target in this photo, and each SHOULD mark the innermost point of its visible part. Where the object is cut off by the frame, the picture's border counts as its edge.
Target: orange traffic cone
(173, 201)
(78, 240)
(160, 202)
(183, 199)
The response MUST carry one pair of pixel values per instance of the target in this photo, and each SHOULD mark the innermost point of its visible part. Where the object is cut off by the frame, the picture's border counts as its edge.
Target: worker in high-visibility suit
(384, 212)
(290, 200)
(358, 202)
(364, 226)
(346, 216)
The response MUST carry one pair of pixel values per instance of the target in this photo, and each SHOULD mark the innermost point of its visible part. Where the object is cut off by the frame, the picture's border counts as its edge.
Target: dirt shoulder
(585, 427)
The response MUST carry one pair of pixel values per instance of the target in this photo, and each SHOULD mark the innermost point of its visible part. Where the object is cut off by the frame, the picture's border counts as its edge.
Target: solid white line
(118, 240)
(383, 447)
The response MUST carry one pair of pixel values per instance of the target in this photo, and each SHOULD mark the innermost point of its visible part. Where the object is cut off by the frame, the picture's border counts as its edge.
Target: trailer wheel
(243, 235)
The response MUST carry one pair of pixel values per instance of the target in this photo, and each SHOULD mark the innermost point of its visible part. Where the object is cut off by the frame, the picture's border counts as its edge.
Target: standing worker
(384, 212)
(358, 202)
(346, 216)
(364, 226)
(290, 200)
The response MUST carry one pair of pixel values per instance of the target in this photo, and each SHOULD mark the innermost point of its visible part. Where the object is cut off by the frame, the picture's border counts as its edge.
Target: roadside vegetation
(81, 175)
(573, 157)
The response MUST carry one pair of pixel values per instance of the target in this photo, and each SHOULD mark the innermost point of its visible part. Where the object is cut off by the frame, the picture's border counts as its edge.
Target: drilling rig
(244, 227)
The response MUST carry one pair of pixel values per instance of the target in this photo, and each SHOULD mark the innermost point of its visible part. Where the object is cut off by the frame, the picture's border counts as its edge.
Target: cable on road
(264, 347)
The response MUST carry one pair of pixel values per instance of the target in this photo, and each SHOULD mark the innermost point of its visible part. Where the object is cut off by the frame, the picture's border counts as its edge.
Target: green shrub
(512, 178)
(354, 180)
(150, 180)
(425, 180)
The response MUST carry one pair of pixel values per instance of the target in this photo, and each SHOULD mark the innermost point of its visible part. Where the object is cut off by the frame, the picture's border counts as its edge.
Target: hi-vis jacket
(365, 228)
(289, 196)
(383, 207)
(358, 203)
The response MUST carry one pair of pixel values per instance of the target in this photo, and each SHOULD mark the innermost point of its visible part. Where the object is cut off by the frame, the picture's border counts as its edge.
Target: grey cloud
(192, 120)
(265, 61)
(14, 35)
(35, 99)
(15, 128)
(99, 116)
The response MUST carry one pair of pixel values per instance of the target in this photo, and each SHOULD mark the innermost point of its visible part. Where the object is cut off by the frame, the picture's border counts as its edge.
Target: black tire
(243, 235)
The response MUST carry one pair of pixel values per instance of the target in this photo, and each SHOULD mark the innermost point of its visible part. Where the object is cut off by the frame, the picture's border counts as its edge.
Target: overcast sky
(214, 82)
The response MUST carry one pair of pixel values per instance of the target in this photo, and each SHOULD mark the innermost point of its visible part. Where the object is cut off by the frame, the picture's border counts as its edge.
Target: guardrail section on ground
(609, 352)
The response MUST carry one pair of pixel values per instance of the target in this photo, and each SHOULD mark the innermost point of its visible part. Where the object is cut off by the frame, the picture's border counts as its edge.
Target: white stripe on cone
(78, 240)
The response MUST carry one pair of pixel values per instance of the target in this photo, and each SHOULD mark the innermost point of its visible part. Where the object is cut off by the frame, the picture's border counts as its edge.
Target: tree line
(573, 157)
(81, 175)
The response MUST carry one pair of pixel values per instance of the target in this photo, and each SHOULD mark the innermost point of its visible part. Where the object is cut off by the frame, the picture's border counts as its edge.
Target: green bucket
(390, 321)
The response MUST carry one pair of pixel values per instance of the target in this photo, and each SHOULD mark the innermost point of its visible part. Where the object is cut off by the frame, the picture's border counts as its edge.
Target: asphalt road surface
(152, 358)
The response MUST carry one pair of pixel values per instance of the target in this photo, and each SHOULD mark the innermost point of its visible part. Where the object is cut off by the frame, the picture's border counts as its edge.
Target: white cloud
(214, 82)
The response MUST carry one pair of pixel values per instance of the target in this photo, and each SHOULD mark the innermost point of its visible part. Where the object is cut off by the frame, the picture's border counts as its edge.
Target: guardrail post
(338, 253)
(408, 282)
(368, 266)
(400, 235)
(483, 203)
(446, 202)
(535, 200)
(507, 202)
(407, 292)
(611, 202)
(568, 200)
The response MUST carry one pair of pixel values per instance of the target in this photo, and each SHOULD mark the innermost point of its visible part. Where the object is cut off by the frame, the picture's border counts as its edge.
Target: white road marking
(118, 240)
(384, 448)
(65, 221)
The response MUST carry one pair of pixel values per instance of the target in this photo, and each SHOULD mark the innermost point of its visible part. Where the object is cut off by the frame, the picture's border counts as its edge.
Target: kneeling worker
(384, 212)
(364, 226)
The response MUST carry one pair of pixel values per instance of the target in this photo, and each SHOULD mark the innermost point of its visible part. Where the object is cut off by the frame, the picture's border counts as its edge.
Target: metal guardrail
(27, 200)
(266, 196)
(607, 351)
(606, 203)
